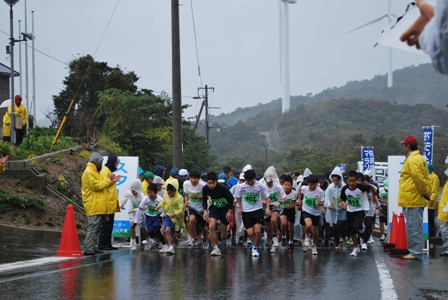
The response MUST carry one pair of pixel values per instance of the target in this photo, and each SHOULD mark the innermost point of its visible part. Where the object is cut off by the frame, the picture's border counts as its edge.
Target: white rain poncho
(333, 197)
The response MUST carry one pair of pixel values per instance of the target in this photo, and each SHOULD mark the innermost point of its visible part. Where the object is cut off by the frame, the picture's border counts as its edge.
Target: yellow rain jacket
(94, 191)
(433, 186)
(413, 182)
(174, 205)
(443, 202)
(2, 168)
(110, 193)
(7, 118)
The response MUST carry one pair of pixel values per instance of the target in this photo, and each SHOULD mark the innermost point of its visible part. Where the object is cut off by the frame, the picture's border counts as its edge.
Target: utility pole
(176, 78)
(207, 120)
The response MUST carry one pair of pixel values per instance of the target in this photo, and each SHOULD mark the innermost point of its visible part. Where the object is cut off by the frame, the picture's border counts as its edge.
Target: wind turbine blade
(367, 24)
(390, 4)
(280, 36)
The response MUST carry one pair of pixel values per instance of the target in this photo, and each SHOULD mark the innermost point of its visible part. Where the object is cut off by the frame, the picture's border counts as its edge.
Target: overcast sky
(238, 44)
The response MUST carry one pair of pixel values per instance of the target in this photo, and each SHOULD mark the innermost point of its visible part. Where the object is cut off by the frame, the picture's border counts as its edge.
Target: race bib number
(355, 202)
(198, 200)
(220, 203)
(336, 201)
(383, 196)
(151, 211)
(288, 202)
(309, 201)
(250, 198)
(274, 197)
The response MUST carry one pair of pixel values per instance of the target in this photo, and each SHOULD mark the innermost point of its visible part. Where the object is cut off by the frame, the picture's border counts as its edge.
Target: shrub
(9, 202)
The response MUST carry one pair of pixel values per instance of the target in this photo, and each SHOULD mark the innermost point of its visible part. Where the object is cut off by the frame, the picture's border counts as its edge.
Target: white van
(381, 170)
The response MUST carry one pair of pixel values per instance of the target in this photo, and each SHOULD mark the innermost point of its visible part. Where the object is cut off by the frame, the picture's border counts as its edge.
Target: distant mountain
(412, 85)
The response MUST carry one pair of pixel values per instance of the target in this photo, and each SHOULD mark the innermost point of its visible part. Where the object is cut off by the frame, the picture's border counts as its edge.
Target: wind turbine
(392, 19)
(284, 51)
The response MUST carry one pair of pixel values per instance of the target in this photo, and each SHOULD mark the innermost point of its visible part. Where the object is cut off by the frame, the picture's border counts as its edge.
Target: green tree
(86, 78)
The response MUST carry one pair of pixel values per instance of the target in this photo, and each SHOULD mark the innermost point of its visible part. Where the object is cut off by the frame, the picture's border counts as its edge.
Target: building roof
(4, 70)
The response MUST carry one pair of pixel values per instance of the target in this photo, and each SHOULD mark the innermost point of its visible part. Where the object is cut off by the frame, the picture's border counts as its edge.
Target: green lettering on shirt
(151, 211)
(274, 197)
(355, 202)
(220, 203)
(383, 196)
(199, 200)
(250, 198)
(310, 201)
(288, 202)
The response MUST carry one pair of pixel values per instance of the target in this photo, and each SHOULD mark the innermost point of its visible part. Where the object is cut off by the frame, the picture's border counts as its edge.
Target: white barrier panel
(128, 169)
(395, 164)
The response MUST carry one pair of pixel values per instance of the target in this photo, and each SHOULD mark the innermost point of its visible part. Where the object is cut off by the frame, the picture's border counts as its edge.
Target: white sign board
(128, 169)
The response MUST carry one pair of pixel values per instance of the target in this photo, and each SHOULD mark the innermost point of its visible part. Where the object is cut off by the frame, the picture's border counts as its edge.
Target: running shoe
(170, 250)
(134, 247)
(371, 241)
(331, 242)
(149, 244)
(338, 248)
(307, 241)
(206, 245)
(273, 249)
(284, 242)
(164, 249)
(314, 250)
(275, 244)
(291, 247)
(216, 252)
(382, 238)
(268, 242)
(255, 253)
(304, 248)
(364, 247)
(349, 242)
(355, 252)
(190, 241)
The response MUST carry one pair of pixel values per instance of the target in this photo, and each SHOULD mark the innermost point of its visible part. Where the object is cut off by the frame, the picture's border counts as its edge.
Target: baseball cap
(222, 177)
(247, 167)
(269, 176)
(183, 172)
(241, 176)
(411, 140)
(226, 169)
(368, 173)
(148, 175)
(174, 171)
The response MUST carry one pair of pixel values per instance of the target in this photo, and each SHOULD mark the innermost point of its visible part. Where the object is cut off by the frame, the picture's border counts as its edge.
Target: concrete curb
(20, 164)
(34, 233)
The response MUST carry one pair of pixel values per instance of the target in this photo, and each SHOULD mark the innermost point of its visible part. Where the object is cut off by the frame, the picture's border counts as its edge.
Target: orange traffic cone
(69, 245)
(393, 234)
(401, 245)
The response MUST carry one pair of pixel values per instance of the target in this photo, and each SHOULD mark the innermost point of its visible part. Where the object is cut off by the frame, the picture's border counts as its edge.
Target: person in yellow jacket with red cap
(94, 200)
(3, 161)
(413, 195)
(443, 214)
(21, 112)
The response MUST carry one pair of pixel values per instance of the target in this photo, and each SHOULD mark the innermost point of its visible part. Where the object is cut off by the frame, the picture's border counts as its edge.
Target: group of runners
(219, 210)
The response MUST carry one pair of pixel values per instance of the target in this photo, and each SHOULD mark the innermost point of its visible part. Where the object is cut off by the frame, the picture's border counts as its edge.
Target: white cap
(241, 176)
(269, 176)
(247, 167)
(183, 172)
(368, 173)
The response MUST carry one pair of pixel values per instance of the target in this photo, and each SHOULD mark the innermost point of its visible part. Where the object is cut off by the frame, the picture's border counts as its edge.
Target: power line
(196, 42)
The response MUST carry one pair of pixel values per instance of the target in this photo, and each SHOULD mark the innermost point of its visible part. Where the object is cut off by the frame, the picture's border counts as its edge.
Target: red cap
(411, 140)
(18, 97)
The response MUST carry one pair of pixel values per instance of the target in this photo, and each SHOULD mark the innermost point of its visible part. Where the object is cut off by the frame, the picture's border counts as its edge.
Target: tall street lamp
(25, 36)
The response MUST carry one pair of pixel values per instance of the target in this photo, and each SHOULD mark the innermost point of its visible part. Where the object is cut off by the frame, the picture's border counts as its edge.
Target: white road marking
(386, 282)
(32, 263)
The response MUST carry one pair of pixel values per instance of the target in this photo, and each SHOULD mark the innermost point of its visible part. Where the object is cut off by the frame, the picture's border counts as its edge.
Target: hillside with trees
(412, 85)
(322, 134)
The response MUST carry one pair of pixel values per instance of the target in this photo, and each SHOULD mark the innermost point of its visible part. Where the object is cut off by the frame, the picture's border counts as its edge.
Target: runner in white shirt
(276, 194)
(195, 210)
(311, 198)
(249, 196)
(288, 213)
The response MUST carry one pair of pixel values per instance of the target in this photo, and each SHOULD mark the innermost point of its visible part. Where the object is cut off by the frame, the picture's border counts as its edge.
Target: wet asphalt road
(193, 274)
